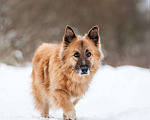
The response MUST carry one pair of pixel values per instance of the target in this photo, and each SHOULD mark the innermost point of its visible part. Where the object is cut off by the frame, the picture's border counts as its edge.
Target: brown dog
(62, 73)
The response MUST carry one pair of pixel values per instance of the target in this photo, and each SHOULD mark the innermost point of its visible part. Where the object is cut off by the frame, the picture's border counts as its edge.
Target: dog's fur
(56, 79)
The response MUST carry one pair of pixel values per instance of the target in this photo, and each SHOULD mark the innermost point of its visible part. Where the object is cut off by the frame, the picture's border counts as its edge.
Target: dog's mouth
(84, 70)
(81, 73)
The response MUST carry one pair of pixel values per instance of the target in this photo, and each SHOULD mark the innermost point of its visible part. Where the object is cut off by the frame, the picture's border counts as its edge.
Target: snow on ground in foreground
(121, 93)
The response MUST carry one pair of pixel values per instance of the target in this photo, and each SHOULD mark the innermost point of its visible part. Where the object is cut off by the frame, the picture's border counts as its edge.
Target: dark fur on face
(78, 53)
(83, 64)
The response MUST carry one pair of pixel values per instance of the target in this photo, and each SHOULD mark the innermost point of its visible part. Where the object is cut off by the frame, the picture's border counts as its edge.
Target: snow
(121, 93)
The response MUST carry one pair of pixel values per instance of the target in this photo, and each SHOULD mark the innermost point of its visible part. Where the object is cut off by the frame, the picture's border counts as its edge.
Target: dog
(62, 73)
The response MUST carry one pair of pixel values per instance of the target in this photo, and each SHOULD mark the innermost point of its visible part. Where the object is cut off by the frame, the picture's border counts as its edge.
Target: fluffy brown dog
(62, 73)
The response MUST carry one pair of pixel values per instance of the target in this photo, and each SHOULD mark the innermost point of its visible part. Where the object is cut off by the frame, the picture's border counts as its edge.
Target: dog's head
(81, 55)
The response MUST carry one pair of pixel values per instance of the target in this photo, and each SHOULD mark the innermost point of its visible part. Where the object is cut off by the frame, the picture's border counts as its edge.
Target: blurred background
(124, 28)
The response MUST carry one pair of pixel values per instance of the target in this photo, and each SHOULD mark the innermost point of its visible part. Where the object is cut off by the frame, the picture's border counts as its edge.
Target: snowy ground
(121, 93)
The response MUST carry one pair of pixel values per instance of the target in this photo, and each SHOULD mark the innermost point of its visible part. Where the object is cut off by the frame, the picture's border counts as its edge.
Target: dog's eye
(76, 54)
(88, 54)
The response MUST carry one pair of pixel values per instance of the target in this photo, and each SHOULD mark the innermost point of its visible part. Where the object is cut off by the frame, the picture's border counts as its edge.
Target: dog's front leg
(74, 103)
(63, 101)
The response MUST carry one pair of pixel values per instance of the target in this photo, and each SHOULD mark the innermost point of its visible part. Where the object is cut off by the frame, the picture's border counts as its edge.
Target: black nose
(84, 69)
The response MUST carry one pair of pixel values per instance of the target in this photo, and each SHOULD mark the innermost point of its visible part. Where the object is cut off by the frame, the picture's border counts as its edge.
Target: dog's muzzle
(84, 70)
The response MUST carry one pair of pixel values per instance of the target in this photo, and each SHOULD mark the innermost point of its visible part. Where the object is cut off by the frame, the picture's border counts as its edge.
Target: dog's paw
(71, 115)
(45, 115)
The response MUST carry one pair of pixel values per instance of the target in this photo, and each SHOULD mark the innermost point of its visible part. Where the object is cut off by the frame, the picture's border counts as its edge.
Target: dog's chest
(77, 90)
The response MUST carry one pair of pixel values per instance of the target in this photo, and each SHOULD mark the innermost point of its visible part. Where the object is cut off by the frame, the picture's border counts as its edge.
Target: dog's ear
(69, 35)
(93, 34)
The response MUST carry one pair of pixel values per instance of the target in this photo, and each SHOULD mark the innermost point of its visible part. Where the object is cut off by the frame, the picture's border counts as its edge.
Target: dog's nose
(84, 70)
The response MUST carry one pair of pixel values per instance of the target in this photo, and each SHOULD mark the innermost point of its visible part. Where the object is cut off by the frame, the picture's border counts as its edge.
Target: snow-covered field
(121, 93)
